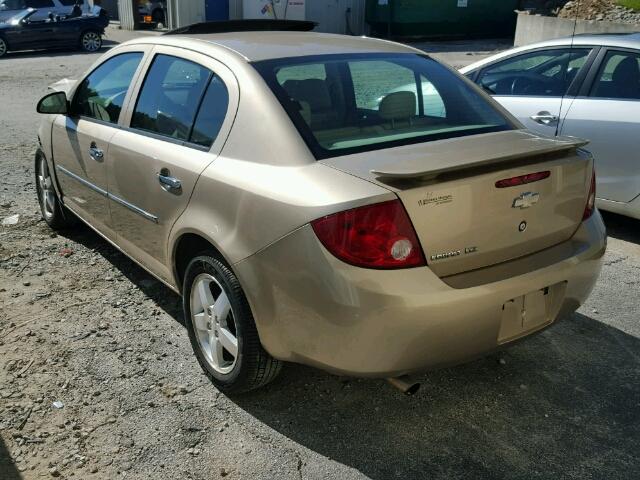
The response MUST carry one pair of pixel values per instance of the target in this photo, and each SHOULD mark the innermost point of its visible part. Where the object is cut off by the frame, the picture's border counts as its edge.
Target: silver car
(9, 8)
(588, 87)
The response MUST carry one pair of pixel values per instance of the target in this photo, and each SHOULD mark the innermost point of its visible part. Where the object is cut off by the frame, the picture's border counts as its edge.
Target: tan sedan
(308, 209)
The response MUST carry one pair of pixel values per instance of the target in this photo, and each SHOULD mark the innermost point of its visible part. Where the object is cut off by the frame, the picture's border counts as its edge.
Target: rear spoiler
(432, 165)
(256, 25)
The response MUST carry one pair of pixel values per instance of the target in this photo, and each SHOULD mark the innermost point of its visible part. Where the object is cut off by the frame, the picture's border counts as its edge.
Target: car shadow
(8, 469)
(563, 404)
(163, 296)
(59, 52)
(621, 227)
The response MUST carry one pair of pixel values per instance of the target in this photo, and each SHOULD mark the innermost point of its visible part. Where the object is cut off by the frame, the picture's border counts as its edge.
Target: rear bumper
(313, 309)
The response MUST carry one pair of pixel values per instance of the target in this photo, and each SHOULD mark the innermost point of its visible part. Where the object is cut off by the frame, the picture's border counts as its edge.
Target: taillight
(374, 236)
(523, 179)
(591, 199)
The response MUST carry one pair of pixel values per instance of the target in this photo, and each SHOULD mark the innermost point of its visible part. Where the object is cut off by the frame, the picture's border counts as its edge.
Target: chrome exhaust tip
(404, 384)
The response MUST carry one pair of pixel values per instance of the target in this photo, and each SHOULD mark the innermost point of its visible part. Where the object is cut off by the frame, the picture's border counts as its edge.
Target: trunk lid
(462, 219)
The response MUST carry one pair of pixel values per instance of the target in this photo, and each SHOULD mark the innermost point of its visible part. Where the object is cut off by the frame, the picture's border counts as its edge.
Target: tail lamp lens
(374, 236)
(591, 200)
(523, 179)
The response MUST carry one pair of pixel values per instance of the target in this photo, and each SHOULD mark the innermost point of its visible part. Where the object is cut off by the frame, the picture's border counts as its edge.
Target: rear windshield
(351, 103)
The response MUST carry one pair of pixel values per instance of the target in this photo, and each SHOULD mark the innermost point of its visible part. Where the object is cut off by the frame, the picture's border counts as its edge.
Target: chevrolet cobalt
(310, 210)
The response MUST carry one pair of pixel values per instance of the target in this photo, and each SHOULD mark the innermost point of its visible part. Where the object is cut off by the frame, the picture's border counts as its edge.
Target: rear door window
(547, 73)
(101, 94)
(181, 100)
(170, 97)
(211, 114)
(619, 77)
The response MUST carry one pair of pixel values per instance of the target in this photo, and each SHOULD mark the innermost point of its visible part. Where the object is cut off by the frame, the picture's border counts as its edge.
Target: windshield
(15, 19)
(351, 103)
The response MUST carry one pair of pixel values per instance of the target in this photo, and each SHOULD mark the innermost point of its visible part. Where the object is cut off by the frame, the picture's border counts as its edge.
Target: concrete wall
(536, 28)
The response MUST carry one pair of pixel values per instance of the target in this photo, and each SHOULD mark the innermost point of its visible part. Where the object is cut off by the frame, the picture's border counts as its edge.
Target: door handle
(544, 118)
(95, 153)
(170, 184)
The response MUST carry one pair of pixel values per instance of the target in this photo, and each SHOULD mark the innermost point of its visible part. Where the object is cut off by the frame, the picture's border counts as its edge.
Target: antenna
(566, 72)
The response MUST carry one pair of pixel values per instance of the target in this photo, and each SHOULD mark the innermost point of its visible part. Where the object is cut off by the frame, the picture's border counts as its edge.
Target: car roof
(620, 40)
(266, 45)
(625, 40)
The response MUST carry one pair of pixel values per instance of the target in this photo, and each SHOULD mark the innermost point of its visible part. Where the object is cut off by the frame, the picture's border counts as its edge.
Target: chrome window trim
(104, 193)
(165, 138)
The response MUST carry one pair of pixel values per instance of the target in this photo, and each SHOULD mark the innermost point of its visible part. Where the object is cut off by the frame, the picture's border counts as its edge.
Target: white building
(333, 16)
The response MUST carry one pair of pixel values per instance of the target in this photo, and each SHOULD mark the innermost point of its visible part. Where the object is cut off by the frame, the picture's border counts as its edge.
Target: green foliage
(635, 4)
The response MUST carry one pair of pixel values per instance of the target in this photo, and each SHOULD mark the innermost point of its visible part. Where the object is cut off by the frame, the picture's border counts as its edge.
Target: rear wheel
(56, 216)
(3, 47)
(222, 330)
(91, 41)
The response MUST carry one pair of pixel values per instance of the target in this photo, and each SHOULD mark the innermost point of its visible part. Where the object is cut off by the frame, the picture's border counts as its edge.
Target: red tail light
(523, 179)
(591, 199)
(374, 236)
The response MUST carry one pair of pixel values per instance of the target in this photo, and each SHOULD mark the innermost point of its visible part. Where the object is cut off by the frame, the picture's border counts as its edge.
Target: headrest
(398, 106)
(627, 72)
(313, 91)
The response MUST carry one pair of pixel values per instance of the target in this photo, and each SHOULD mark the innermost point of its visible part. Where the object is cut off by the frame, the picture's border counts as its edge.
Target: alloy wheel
(91, 42)
(213, 323)
(47, 193)
(3, 47)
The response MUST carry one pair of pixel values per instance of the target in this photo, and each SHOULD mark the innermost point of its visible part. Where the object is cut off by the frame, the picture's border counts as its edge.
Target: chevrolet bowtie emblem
(526, 200)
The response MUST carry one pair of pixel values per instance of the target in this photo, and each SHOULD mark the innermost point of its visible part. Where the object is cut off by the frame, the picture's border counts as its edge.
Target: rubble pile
(601, 10)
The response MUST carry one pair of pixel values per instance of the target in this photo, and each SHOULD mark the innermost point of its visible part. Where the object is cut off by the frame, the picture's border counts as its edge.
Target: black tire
(91, 41)
(4, 47)
(53, 212)
(253, 367)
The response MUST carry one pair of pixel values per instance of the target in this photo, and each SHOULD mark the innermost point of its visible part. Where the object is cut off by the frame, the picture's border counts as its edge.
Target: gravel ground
(97, 378)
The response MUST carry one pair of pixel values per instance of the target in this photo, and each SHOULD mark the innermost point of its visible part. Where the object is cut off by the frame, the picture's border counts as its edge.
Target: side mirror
(55, 102)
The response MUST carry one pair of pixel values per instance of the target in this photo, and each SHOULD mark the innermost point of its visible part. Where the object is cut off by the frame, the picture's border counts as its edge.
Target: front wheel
(222, 330)
(3, 47)
(91, 41)
(53, 212)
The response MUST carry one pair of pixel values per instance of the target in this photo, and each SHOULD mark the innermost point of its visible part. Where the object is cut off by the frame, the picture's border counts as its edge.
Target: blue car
(22, 32)
(9, 8)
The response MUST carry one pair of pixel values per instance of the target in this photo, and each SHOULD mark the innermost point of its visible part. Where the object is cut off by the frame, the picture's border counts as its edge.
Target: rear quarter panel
(265, 183)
